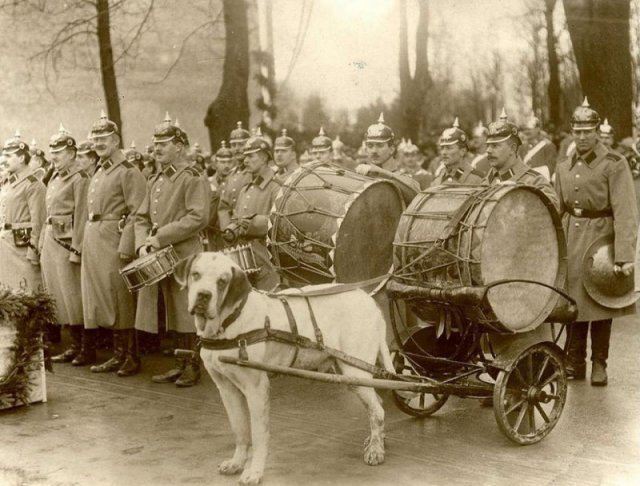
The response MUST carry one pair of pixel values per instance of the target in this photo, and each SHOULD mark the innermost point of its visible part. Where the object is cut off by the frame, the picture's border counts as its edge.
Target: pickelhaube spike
(239, 124)
(409, 142)
(284, 132)
(33, 143)
(321, 133)
(585, 103)
(258, 132)
(133, 145)
(605, 128)
(167, 118)
(17, 135)
(177, 123)
(456, 123)
(503, 115)
(103, 115)
(381, 117)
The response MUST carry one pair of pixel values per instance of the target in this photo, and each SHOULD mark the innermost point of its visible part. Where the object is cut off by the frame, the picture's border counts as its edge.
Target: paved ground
(105, 430)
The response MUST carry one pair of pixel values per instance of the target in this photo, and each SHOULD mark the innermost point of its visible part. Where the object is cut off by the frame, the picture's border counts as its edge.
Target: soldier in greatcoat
(453, 150)
(61, 246)
(115, 193)
(24, 214)
(285, 157)
(237, 179)
(597, 199)
(174, 212)
(537, 151)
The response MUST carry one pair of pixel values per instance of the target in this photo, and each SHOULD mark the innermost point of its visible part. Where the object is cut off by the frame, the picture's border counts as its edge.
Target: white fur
(350, 321)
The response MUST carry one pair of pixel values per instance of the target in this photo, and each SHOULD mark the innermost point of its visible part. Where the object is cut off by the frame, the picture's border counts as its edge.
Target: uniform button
(93, 190)
(577, 225)
(579, 163)
(576, 202)
(577, 188)
(158, 190)
(155, 200)
(577, 176)
(91, 202)
(155, 212)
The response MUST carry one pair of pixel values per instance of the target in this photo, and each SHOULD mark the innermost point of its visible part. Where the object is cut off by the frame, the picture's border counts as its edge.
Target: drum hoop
(289, 186)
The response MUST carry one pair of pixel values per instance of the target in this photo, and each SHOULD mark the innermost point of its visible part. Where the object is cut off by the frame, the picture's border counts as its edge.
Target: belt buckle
(91, 216)
(577, 212)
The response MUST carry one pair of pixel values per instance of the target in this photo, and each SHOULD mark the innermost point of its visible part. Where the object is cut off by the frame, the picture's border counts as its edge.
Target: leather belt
(589, 213)
(15, 226)
(104, 217)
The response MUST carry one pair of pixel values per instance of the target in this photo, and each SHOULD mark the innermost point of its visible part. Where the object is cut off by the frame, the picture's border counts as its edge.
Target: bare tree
(232, 103)
(554, 91)
(599, 31)
(413, 88)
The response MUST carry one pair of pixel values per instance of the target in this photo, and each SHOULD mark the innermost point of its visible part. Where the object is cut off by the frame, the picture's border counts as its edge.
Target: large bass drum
(333, 225)
(466, 237)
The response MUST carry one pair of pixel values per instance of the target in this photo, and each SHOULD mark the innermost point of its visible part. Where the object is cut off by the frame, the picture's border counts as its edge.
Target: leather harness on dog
(292, 337)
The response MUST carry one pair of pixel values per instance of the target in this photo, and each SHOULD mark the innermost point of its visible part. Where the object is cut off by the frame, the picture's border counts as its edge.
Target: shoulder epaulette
(613, 156)
(193, 171)
(476, 172)
(128, 164)
(83, 174)
(32, 178)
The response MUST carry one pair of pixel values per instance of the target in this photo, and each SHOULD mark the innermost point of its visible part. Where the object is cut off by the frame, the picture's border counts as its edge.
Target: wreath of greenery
(31, 312)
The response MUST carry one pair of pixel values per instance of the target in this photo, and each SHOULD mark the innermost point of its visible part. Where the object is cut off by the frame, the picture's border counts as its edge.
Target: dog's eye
(222, 283)
(195, 275)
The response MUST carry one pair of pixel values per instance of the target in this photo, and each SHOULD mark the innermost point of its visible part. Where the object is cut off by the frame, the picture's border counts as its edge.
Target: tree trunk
(553, 90)
(599, 31)
(413, 90)
(232, 103)
(107, 67)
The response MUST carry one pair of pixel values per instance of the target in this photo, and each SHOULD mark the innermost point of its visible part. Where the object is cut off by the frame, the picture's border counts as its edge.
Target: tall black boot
(68, 355)
(131, 365)
(576, 350)
(119, 355)
(87, 354)
(191, 374)
(600, 336)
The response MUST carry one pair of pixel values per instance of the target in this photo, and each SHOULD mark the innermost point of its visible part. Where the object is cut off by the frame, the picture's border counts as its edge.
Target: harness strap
(316, 329)
(292, 325)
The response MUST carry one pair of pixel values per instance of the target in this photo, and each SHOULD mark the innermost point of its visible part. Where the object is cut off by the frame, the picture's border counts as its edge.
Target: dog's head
(216, 288)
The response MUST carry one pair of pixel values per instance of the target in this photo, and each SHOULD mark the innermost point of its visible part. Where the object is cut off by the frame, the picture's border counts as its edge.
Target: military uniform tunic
(176, 210)
(229, 194)
(24, 215)
(597, 181)
(255, 201)
(541, 157)
(463, 173)
(115, 193)
(520, 173)
(61, 242)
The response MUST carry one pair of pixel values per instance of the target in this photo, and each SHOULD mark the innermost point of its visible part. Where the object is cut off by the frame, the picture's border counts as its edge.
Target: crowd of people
(72, 218)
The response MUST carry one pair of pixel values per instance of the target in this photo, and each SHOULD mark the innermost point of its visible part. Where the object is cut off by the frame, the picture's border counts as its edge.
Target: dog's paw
(250, 477)
(374, 451)
(229, 467)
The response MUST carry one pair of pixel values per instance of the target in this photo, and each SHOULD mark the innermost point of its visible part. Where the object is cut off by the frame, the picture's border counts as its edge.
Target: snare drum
(243, 256)
(149, 269)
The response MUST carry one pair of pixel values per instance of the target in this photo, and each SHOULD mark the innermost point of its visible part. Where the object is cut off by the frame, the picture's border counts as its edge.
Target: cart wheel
(528, 400)
(417, 404)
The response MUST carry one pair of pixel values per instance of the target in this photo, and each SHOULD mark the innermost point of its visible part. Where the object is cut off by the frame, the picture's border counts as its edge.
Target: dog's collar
(231, 318)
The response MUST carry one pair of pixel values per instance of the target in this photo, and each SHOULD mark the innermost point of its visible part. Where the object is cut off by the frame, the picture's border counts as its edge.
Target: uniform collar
(116, 159)
(15, 179)
(456, 172)
(513, 173)
(263, 178)
(592, 157)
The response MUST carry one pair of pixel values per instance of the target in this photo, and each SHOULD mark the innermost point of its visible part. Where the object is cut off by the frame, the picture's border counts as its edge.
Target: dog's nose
(203, 295)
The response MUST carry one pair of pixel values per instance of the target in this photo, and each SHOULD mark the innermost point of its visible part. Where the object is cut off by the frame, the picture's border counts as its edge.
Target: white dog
(349, 321)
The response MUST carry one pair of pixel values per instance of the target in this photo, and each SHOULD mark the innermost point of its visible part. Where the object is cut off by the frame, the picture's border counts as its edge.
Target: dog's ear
(239, 288)
(182, 269)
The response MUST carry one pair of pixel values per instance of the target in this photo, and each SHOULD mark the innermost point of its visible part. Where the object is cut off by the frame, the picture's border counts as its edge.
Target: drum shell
(149, 269)
(484, 234)
(333, 225)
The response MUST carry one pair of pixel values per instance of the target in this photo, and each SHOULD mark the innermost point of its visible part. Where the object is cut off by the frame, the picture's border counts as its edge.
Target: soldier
(24, 214)
(134, 156)
(251, 214)
(503, 142)
(413, 160)
(39, 164)
(238, 178)
(382, 164)
(61, 246)
(224, 164)
(322, 148)
(478, 145)
(538, 152)
(285, 155)
(453, 150)
(174, 212)
(115, 193)
(605, 135)
(340, 157)
(87, 158)
(596, 200)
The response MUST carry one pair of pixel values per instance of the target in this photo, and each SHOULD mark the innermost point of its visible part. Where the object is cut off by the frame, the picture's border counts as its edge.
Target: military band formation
(72, 220)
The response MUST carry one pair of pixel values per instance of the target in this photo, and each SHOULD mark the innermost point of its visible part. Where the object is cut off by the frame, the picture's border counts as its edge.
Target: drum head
(365, 238)
(521, 241)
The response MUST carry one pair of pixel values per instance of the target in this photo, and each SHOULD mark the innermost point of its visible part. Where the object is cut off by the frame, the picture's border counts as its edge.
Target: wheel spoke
(523, 410)
(513, 407)
(530, 369)
(542, 368)
(518, 375)
(532, 418)
(422, 400)
(542, 413)
(550, 379)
